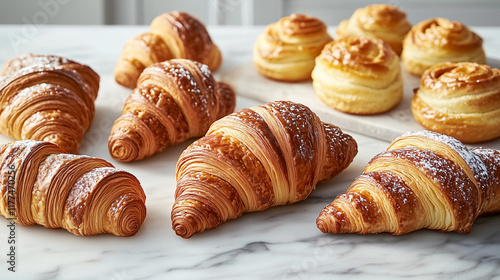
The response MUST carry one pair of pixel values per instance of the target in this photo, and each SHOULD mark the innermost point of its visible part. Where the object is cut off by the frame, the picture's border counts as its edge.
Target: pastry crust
(358, 75)
(461, 100)
(174, 101)
(287, 48)
(253, 159)
(171, 35)
(440, 40)
(423, 180)
(47, 98)
(382, 21)
(82, 194)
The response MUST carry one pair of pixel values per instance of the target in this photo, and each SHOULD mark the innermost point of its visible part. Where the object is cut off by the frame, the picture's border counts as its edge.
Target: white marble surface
(280, 243)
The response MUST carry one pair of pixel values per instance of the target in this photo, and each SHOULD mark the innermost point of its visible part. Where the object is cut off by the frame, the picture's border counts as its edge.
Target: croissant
(287, 48)
(382, 21)
(171, 35)
(423, 180)
(84, 195)
(251, 160)
(461, 100)
(440, 40)
(358, 75)
(47, 98)
(175, 100)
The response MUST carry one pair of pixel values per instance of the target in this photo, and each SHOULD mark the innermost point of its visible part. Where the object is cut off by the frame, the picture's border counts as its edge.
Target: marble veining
(280, 243)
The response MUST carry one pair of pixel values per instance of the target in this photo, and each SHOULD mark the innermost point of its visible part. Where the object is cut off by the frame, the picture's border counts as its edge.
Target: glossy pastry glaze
(423, 180)
(358, 75)
(285, 51)
(171, 35)
(253, 159)
(461, 100)
(440, 40)
(175, 100)
(192, 40)
(82, 194)
(52, 61)
(47, 98)
(382, 21)
(138, 53)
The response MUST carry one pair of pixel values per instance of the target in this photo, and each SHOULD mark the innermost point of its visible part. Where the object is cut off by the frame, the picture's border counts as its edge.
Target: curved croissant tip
(330, 221)
(123, 149)
(322, 225)
(130, 217)
(185, 224)
(182, 231)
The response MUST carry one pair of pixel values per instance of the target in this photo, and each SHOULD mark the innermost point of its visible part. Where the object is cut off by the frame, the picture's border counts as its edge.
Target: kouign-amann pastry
(440, 40)
(423, 180)
(174, 100)
(171, 35)
(47, 98)
(272, 154)
(40, 184)
(358, 75)
(382, 21)
(287, 48)
(461, 100)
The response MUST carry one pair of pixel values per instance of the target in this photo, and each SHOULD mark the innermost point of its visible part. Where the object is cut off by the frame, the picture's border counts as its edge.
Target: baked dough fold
(440, 40)
(171, 35)
(268, 155)
(174, 100)
(47, 98)
(423, 180)
(287, 48)
(40, 184)
(358, 75)
(382, 21)
(461, 100)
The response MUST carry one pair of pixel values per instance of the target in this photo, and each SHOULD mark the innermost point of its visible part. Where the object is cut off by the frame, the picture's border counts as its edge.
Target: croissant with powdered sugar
(40, 184)
(47, 98)
(256, 158)
(423, 180)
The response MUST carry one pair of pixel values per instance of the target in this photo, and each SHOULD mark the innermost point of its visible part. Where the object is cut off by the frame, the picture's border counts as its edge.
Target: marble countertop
(279, 243)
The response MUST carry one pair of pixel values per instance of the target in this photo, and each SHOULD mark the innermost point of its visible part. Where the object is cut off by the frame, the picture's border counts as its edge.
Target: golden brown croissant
(171, 35)
(423, 180)
(382, 21)
(272, 154)
(175, 100)
(287, 48)
(440, 40)
(84, 195)
(461, 100)
(47, 98)
(358, 75)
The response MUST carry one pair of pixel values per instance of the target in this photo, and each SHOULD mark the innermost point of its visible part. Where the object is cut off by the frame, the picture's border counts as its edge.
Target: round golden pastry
(382, 21)
(439, 40)
(358, 75)
(287, 48)
(460, 100)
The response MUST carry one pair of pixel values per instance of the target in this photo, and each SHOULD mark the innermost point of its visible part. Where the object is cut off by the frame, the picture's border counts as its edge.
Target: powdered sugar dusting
(299, 122)
(450, 179)
(473, 161)
(494, 157)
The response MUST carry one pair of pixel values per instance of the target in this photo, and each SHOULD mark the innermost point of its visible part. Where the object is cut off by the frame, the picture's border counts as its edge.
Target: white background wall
(234, 12)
